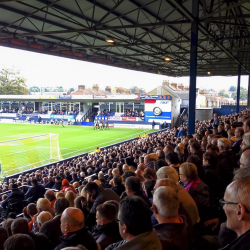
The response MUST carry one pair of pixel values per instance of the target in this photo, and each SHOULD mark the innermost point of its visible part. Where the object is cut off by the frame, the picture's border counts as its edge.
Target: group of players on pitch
(101, 125)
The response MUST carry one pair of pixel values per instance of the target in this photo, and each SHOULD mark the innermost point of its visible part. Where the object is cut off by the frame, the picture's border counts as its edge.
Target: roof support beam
(185, 12)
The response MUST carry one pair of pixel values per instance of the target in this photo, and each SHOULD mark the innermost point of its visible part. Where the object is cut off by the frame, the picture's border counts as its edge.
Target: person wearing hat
(67, 186)
(15, 196)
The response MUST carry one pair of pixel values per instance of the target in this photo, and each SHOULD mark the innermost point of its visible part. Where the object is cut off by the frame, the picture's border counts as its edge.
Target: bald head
(141, 166)
(72, 220)
(245, 159)
(115, 172)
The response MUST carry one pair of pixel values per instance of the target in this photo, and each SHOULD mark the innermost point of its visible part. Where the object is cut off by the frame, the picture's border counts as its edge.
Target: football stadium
(132, 129)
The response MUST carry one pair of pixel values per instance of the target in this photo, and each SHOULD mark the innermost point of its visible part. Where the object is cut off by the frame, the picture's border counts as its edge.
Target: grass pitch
(73, 140)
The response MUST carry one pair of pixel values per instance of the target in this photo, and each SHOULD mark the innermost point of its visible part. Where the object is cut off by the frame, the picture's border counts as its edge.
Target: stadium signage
(99, 96)
(62, 117)
(156, 97)
(132, 119)
(65, 97)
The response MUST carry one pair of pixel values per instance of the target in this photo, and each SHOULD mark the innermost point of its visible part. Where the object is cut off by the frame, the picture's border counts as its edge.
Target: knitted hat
(65, 182)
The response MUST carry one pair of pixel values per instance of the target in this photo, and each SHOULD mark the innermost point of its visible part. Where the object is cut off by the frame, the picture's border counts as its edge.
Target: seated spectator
(135, 226)
(173, 161)
(236, 205)
(3, 237)
(19, 242)
(150, 159)
(118, 187)
(70, 196)
(67, 186)
(149, 174)
(52, 228)
(172, 230)
(239, 132)
(245, 159)
(97, 195)
(133, 187)
(148, 187)
(221, 131)
(196, 187)
(50, 183)
(15, 196)
(74, 231)
(35, 192)
(31, 211)
(107, 230)
(50, 195)
(195, 149)
(20, 226)
(42, 218)
(58, 183)
(180, 152)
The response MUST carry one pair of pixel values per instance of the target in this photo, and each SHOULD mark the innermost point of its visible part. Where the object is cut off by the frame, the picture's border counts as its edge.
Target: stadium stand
(176, 191)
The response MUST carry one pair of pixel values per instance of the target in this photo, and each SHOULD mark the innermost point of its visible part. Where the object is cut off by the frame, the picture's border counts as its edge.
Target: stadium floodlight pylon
(22, 154)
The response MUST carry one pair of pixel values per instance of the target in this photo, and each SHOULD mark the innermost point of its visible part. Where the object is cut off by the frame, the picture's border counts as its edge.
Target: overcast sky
(44, 70)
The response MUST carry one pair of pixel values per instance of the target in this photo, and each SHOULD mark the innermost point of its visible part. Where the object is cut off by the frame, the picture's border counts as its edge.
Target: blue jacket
(182, 133)
(215, 122)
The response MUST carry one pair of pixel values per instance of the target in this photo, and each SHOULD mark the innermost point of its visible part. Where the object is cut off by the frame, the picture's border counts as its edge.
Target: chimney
(180, 86)
(81, 87)
(174, 85)
(95, 87)
(108, 89)
(165, 83)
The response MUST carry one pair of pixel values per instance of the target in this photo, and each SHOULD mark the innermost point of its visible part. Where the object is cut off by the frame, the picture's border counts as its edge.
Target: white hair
(224, 143)
(43, 204)
(43, 217)
(167, 172)
(166, 201)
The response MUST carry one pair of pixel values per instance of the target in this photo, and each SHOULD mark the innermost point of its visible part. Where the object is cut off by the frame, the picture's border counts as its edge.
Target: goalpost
(29, 152)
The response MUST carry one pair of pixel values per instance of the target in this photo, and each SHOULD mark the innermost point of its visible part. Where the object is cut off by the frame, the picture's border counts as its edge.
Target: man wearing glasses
(236, 204)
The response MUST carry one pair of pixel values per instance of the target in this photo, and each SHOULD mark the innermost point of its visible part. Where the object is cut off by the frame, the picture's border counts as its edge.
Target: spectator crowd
(169, 190)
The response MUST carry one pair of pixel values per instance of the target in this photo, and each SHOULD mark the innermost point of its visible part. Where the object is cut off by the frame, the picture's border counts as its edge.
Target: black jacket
(15, 196)
(119, 189)
(58, 185)
(236, 146)
(34, 193)
(41, 241)
(241, 243)
(102, 195)
(81, 237)
(107, 234)
(49, 184)
(52, 229)
(174, 235)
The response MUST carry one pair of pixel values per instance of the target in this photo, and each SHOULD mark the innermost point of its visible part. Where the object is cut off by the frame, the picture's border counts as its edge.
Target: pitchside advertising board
(71, 117)
(156, 109)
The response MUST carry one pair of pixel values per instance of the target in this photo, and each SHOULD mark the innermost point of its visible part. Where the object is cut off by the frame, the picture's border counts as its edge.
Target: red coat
(69, 187)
